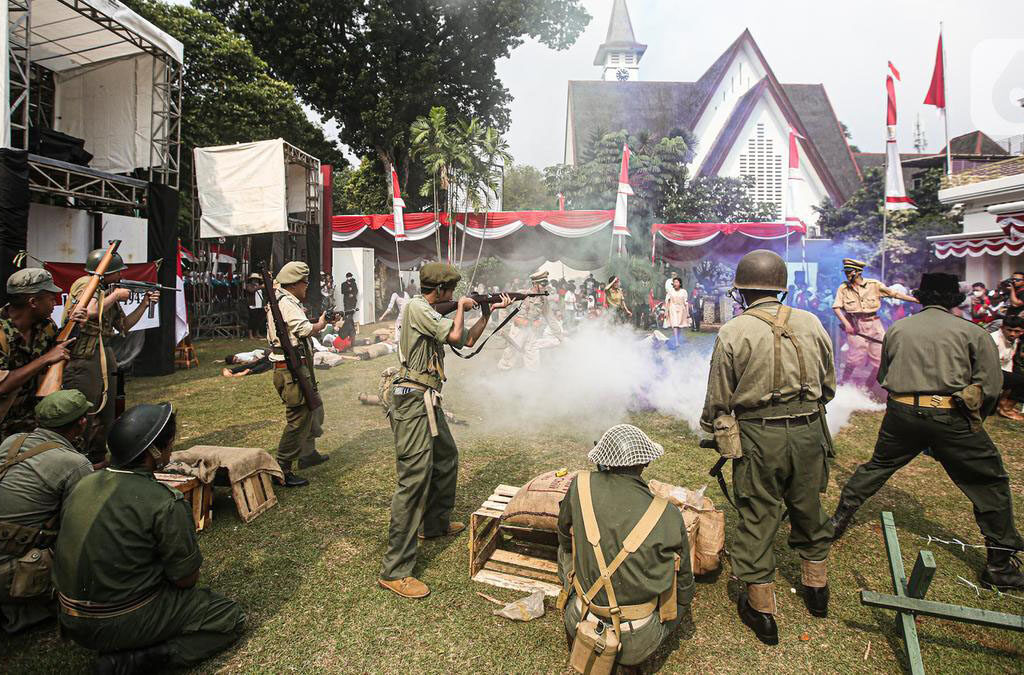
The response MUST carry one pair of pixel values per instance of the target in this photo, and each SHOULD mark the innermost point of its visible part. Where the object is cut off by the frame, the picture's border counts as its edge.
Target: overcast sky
(844, 45)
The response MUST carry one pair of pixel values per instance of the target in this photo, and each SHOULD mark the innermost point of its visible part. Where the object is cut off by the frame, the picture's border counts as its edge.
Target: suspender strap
(634, 539)
(779, 328)
(13, 456)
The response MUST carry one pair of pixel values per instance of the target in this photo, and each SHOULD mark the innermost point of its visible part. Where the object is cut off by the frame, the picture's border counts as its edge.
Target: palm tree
(494, 151)
(430, 140)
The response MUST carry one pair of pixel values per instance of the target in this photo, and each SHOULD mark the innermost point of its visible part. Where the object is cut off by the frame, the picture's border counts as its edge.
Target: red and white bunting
(398, 204)
(622, 198)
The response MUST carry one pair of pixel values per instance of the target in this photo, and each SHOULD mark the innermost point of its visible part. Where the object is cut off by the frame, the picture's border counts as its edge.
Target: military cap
(30, 281)
(61, 407)
(293, 273)
(436, 274)
(854, 264)
(538, 277)
(255, 276)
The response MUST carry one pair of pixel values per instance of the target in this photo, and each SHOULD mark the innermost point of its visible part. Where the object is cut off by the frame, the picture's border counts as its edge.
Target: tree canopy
(523, 189)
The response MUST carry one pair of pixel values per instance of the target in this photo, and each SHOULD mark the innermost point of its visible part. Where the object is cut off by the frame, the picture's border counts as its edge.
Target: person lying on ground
(247, 363)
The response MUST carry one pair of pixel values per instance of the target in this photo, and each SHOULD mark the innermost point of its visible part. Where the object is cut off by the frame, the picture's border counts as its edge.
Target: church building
(739, 112)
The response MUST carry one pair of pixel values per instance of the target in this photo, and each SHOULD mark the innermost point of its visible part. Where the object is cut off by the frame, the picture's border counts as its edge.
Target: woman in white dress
(678, 307)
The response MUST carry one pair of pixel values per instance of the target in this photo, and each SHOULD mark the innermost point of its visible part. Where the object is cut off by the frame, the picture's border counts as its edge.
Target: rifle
(291, 355)
(137, 290)
(866, 337)
(53, 378)
(450, 306)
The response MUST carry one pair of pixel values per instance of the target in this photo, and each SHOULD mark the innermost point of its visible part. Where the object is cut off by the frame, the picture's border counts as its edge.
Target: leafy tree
(718, 199)
(375, 65)
(228, 93)
(524, 190)
(361, 190)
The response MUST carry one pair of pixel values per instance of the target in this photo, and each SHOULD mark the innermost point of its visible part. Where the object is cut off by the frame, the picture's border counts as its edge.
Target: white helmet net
(625, 445)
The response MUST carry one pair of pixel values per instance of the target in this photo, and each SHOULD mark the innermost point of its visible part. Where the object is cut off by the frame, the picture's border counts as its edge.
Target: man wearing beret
(856, 306)
(37, 471)
(28, 345)
(427, 460)
(303, 426)
(943, 378)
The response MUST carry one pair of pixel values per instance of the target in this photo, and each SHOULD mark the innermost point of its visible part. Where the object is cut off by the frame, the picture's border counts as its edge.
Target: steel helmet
(761, 270)
(96, 255)
(135, 431)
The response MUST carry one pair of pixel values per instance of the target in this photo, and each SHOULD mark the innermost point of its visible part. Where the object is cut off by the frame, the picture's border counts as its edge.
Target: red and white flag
(896, 198)
(398, 205)
(896, 73)
(937, 90)
(619, 226)
(795, 180)
(890, 106)
(180, 311)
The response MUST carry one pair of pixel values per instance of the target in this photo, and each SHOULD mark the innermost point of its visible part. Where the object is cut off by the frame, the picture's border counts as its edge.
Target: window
(615, 59)
(763, 163)
(627, 59)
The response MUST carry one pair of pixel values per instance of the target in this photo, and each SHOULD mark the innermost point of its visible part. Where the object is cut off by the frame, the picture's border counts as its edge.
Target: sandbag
(705, 525)
(536, 504)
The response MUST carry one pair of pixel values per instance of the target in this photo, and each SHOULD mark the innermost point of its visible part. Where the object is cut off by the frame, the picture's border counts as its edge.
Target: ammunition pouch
(727, 437)
(27, 577)
(18, 539)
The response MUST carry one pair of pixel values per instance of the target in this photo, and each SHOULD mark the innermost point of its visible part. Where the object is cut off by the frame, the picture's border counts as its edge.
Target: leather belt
(924, 400)
(628, 611)
(805, 420)
(102, 610)
(283, 365)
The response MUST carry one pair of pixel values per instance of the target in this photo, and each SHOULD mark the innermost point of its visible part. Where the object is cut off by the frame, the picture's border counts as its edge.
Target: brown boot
(453, 529)
(409, 587)
(1009, 408)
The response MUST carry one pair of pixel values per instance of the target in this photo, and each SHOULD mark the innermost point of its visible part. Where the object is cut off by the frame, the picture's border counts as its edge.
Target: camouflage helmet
(761, 270)
(96, 255)
(135, 431)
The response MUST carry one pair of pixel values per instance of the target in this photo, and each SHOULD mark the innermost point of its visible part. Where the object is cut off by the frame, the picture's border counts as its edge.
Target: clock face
(622, 74)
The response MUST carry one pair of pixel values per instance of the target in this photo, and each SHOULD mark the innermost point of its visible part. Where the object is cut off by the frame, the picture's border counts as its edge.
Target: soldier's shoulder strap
(15, 456)
(779, 325)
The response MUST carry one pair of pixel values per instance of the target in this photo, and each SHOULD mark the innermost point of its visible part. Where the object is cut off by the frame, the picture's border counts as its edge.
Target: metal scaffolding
(19, 19)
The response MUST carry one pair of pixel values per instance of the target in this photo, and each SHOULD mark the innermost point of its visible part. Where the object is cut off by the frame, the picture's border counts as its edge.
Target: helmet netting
(625, 445)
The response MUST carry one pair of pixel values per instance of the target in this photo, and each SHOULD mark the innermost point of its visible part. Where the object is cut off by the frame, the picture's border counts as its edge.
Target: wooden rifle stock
(449, 306)
(291, 355)
(53, 379)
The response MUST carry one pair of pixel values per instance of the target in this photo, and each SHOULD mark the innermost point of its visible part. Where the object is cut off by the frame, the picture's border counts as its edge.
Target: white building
(738, 110)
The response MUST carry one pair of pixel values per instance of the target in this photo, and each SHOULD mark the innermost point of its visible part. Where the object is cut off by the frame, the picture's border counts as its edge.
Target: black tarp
(13, 212)
(157, 357)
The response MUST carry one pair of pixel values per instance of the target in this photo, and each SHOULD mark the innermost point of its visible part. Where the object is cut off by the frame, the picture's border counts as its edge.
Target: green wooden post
(942, 610)
(921, 577)
(899, 580)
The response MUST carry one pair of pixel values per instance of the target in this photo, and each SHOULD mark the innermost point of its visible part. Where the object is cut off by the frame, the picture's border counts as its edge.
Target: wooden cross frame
(908, 598)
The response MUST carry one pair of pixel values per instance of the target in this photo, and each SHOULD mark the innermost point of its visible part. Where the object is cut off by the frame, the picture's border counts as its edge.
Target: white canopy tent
(117, 82)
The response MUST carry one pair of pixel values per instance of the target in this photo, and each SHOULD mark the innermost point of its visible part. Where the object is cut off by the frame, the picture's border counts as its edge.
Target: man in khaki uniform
(653, 586)
(526, 337)
(856, 306)
(93, 366)
(37, 471)
(771, 375)
(28, 346)
(303, 426)
(427, 460)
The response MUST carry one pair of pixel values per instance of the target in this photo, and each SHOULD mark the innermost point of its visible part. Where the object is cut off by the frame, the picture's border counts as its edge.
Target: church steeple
(620, 54)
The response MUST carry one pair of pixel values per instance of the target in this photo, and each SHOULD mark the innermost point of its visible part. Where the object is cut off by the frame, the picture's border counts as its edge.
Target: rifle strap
(13, 456)
(511, 315)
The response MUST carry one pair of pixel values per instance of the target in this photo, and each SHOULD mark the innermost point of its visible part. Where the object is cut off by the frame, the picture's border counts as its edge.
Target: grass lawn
(305, 571)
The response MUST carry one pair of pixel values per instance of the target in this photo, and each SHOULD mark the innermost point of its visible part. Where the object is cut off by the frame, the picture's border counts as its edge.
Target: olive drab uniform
(303, 426)
(124, 539)
(427, 460)
(652, 586)
(927, 358)
(93, 367)
(526, 341)
(772, 370)
(37, 472)
(16, 413)
(861, 302)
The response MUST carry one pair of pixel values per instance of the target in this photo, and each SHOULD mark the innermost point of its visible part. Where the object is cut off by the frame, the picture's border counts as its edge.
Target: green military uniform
(427, 463)
(619, 502)
(124, 539)
(37, 471)
(936, 353)
(785, 444)
(93, 366)
(303, 426)
(16, 353)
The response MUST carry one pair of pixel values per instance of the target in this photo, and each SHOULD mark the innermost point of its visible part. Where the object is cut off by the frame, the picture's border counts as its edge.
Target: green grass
(305, 571)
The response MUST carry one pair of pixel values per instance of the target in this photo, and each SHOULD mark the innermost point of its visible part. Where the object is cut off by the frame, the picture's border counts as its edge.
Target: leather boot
(842, 518)
(814, 579)
(1002, 571)
(131, 661)
(312, 459)
(290, 480)
(1009, 408)
(760, 620)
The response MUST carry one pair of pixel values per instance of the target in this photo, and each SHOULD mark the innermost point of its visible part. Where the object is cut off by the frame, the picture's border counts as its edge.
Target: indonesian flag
(937, 91)
(896, 198)
(619, 227)
(795, 179)
(890, 108)
(399, 205)
(180, 312)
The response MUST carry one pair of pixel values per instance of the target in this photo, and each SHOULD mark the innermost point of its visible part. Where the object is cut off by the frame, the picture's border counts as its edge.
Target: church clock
(622, 74)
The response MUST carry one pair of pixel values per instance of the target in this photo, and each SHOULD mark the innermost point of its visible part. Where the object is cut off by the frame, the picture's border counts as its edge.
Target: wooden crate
(509, 556)
(253, 495)
(198, 495)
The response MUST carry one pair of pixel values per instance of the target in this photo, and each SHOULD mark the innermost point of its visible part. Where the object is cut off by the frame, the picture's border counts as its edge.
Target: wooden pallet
(508, 556)
(198, 495)
(253, 495)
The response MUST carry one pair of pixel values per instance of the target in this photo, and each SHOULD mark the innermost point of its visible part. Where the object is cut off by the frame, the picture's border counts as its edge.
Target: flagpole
(885, 199)
(945, 110)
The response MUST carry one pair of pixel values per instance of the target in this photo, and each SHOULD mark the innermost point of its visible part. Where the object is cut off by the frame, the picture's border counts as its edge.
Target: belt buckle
(935, 401)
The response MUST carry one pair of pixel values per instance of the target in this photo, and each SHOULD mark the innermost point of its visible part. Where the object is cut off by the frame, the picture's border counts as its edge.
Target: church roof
(620, 34)
(974, 143)
(815, 111)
